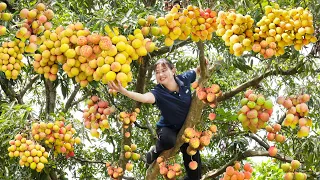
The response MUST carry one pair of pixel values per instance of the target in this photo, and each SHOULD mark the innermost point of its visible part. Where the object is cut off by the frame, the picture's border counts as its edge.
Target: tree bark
(51, 95)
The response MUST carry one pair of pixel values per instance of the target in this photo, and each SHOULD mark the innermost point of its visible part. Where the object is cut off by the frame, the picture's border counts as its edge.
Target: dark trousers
(167, 139)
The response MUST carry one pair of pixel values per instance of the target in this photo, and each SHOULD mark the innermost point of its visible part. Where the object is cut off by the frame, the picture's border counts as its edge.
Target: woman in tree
(172, 95)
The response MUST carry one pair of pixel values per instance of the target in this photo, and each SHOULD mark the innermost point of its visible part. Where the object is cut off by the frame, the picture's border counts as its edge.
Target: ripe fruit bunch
(235, 173)
(10, 58)
(197, 140)
(273, 133)
(169, 171)
(35, 22)
(128, 118)
(31, 154)
(147, 26)
(96, 114)
(208, 95)
(280, 28)
(56, 135)
(203, 22)
(297, 110)
(121, 52)
(255, 111)
(174, 25)
(130, 152)
(5, 17)
(291, 173)
(236, 30)
(113, 171)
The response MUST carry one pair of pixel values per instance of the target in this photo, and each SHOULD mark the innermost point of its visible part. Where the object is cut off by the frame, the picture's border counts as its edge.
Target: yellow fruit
(121, 58)
(110, 76)
(122, 77)
(168, 42)
(137, 43)
(125, 68)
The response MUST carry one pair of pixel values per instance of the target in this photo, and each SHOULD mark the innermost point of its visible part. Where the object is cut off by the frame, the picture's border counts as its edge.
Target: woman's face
(164, 74)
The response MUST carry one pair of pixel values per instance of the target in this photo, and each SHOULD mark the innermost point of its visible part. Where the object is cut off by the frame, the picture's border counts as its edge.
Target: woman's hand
(115, 87)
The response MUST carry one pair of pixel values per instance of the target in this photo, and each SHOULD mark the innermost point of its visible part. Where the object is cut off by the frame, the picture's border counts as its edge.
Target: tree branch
(240, 156)
(88, 161)
(255, 81)
(167, 49)
(29, 85)
(9, 91)
(258, 140)
(50, 96)
(71, 98)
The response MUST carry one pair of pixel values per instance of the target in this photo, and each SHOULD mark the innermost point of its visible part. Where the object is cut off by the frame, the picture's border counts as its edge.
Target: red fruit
(273, 151)
(193, 165)
(248, 92)
(270, 136)
(212, 116)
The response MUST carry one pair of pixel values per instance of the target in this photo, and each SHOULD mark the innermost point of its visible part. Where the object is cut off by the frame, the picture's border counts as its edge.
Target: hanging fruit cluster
(274, 135)
(128, 118)
(57, 135)
(167, 170)
(5, 17)
(255, 111)
(297, 110)
(31, 154)
(236, 31)
(96, 115)
(233, 172)
(208, 95)
(290, 170)
(114, 172)
(197, 140)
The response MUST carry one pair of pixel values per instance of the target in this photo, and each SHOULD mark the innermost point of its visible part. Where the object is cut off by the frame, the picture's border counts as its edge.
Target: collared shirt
(174, 106)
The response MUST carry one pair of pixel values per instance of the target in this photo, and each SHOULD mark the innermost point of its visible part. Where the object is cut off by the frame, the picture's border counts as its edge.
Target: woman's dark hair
(164, 63)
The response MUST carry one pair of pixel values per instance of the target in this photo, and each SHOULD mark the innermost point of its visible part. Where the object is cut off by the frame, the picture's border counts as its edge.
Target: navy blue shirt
(174, 106)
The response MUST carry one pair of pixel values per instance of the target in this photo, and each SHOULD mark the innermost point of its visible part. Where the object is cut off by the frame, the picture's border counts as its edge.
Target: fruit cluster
(130, 152)
(31, 154)
(167, 170)
(113, 171)
(11, 58)
(255, 111)
(291, 173)
(273, 134)
(36, 21)
(128, 118)
(5, 17)
(197, 140)
(174, 25)
(96, 114)
(235, 173)
(203, 22)
(208, 95)
(297, 110)
(279, 28)
(236, 31)
(57, 135)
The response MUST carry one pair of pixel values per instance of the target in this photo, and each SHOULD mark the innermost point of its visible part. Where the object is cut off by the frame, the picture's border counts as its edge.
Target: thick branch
(29, 85)
(241, 156)
(71, 98)
(259, 140)
(50, 96)
(255, 81)
(88, 161)
(167, 49)
(9, 91)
